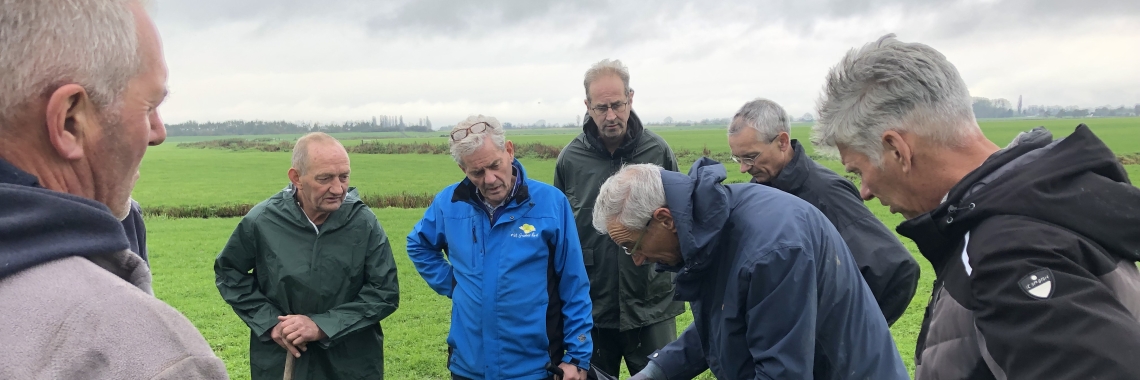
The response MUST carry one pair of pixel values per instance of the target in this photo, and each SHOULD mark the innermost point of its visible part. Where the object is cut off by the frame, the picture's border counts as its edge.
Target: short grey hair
(763, 115)
(607, 67)
(301, 149)
(474, 141)
(629, 196)
(50, 43)
(891, 85)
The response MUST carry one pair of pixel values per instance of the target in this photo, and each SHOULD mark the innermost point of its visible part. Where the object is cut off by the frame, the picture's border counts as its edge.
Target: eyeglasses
(474, 129)
(751, 159)
(604, 108)
(629, 252)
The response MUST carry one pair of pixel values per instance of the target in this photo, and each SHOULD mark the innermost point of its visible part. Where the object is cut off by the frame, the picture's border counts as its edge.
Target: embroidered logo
(582, 338)
(527, 228)
(528, 231)
(1038, 284)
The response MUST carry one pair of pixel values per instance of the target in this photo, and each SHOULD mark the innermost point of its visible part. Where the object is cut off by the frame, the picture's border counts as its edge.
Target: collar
(633, 134)
(795, 173)
(12, 175)
(466, 191)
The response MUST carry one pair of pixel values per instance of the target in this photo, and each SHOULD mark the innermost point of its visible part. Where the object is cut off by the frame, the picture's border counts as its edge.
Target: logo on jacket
(1038, 284)
(527, 228)
(528, 231)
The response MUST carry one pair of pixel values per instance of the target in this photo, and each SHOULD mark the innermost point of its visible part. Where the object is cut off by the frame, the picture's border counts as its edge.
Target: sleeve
(377, 299)
(890, 270)
(574, 289)
(682, 358)
(560, 182)
(1071, 326)
(426, 244)
(782, 344)
(238, 285)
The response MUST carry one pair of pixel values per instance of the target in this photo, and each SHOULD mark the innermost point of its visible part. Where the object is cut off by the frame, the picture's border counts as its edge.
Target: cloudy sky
(523, 60)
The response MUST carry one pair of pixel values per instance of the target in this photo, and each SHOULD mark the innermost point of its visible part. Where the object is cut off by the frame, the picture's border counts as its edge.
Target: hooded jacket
(341, 275)
(888, 267)
(508, 277)
(625, 296)
(774, 291)
(76, 303)
(1035, 255)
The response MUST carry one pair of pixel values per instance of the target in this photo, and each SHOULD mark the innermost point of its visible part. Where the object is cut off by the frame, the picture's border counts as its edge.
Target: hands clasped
(294, 332)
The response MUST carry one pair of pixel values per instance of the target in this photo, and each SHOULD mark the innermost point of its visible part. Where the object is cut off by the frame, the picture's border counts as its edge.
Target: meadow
(182, 250)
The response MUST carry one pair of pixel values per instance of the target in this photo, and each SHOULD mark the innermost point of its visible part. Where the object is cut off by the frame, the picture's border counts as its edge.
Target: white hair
(301, 149)
(891, 85)
(607, 67)
(629, 196)
(474, 141)
(46, 44)
(763, 115)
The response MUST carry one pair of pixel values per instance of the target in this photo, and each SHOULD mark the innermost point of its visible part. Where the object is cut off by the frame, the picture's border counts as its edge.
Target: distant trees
(986, 108)
(807, 117)
(259, 127)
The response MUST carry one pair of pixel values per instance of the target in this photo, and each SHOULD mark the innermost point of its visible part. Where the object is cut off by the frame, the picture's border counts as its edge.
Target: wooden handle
(288, 366)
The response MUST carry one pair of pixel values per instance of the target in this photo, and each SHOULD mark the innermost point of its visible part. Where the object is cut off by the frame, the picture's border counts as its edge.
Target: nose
(865, 192)
(157, 129)
(638, 259)
(744, 168)
(609, 111)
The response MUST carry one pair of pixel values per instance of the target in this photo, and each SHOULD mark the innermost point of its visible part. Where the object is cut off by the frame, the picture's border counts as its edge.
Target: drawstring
(955, 210)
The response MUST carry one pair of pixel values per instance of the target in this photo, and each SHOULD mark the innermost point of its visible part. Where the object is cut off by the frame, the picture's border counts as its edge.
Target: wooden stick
(288, 366)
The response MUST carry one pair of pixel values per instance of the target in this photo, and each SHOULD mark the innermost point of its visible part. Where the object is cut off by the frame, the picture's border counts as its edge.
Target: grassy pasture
(182, 250)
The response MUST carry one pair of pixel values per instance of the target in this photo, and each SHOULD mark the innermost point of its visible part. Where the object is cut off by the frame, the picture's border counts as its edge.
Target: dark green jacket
(625, 296)
(343, 277)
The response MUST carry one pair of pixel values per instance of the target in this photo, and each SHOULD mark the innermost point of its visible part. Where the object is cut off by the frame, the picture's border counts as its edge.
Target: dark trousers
(611, 345)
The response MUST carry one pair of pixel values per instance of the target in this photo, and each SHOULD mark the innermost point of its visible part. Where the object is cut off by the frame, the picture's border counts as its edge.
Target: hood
(633, 132)
(699, 204)
(1075, 183)
(794, 174)
(39, 225)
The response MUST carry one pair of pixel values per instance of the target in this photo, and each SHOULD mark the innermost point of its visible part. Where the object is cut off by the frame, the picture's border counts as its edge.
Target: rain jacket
(625, 295)
(888, 267)
(1035, 257)
(75, 303)
(774, 291)
(520, 296)
(341, 275)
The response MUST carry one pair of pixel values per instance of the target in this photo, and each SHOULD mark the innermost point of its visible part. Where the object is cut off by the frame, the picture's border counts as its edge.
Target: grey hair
(629, 196)
(474, 141)
(50, 43)
(606, 67)
(891, 85)
(763, 115)
(301, 149)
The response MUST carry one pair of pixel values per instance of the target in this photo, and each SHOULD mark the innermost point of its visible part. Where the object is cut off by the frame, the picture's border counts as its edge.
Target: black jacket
(1035, 256)
(886, 265)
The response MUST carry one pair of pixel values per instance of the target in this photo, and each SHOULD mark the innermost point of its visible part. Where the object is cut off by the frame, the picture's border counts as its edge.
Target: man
(1034, 246)
(759, 140)
(520, 297)
(774, 291)
(78, 91)
(311, 272)
(633, 306)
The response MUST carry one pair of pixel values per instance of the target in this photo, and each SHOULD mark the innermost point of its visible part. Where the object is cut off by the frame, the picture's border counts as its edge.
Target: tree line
(1001, 108)
(258, 127)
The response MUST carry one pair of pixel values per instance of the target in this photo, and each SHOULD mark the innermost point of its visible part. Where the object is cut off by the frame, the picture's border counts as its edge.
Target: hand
(300, 329)
(280, 339)
(571, 372)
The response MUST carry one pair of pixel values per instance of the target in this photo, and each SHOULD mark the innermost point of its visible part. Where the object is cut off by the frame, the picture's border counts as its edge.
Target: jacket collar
(795, 173)
(633, 131)
(466, 191)
(10, 174)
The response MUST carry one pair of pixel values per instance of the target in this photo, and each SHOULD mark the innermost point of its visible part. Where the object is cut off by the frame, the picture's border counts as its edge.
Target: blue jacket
(503, 292)
(774, 291)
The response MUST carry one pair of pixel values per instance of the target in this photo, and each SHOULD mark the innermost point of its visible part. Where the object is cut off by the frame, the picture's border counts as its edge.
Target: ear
(71, 118)
(630, 97)
(897, 150)
(295, 177)
(511, 149)
(665, 217)
(785, 141)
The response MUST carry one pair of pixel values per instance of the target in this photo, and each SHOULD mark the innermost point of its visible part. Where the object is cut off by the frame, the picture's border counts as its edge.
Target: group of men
(1034, 246)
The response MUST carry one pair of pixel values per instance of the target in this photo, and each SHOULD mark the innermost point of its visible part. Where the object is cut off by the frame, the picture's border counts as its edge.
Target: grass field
(182, 250)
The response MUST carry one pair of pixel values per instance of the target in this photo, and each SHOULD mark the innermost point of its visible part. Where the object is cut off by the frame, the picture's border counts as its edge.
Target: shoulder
(1006, 233)
(577, 149)
(542, 193)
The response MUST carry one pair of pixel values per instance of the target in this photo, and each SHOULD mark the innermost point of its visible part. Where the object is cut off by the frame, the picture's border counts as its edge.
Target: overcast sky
(523, 60)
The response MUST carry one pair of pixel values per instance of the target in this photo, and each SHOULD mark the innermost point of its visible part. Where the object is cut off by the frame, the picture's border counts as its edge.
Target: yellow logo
(527, 228)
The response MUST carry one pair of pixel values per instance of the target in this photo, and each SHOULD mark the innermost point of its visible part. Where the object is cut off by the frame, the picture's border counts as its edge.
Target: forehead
(328, 157)
(485, 156)
(618, 232)
(743, 141)
(850, 157)
(607, 89)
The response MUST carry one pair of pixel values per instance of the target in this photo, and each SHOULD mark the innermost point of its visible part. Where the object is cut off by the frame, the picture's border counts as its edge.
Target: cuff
(585, 365)
(653, 372)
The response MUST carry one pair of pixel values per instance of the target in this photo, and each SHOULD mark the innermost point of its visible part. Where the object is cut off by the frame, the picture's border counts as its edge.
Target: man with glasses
(758, 138)
(633, 306)
(504, 248)
(774, 291)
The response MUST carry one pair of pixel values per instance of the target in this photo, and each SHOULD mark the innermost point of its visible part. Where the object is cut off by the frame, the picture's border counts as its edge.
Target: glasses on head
(751, 158)
(644, 232)
(474, 129)
(604, 108)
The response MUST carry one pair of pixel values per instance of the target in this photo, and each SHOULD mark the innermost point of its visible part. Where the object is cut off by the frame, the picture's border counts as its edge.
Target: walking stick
(288, 366)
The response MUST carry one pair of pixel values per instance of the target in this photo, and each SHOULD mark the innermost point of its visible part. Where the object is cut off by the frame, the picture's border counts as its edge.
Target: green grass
(182, 250)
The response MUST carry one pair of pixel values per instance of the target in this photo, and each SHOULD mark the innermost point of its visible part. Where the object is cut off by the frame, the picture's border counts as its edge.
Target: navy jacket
(774, 291)
(889, 269)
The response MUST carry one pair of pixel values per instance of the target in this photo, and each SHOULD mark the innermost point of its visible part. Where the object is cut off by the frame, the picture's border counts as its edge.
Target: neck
(953, 164)
(52, 172)
(316, 216)
(612, 144)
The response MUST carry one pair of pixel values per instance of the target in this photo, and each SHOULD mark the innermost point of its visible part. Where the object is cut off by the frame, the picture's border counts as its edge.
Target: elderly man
(78, 91)
(311, 272)
(759, 140)
(1034, 245)
(513, 266)
(774, 291)
(633, 306)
